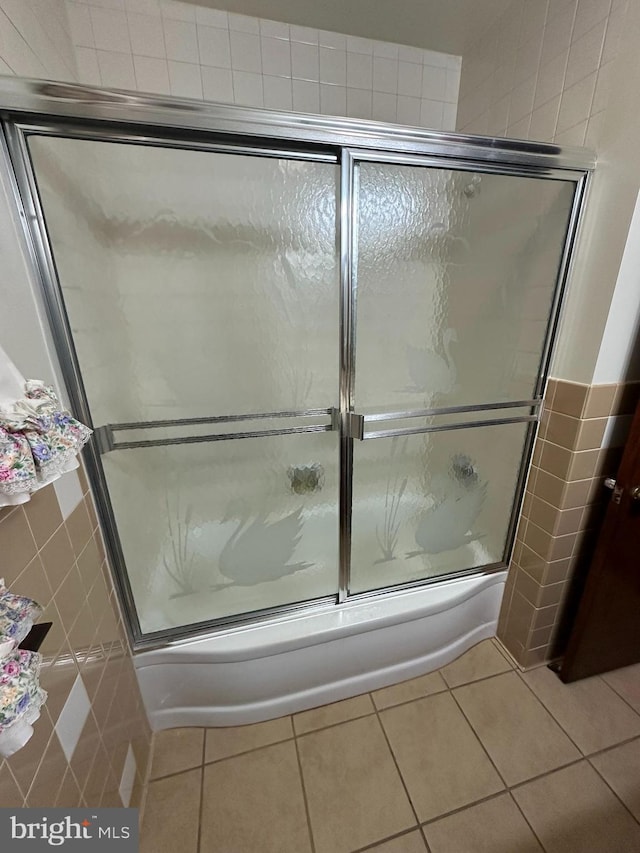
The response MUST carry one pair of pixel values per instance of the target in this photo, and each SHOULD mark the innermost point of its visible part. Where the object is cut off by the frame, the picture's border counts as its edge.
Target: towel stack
(21, 696)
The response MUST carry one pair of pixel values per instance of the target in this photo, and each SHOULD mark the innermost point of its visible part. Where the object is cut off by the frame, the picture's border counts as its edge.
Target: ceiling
(445, 25)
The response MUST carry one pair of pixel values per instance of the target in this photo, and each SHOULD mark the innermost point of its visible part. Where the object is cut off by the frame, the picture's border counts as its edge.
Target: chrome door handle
(635, 493)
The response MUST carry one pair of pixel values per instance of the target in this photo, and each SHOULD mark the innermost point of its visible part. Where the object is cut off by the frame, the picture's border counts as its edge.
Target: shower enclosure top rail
(78, 102)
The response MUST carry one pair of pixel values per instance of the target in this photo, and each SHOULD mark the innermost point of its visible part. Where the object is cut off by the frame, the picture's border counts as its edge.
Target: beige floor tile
(589, 711)
(328, 715)
(495, 826)
(626, 682)
(406, 691)
(354, 792)
(232, 740)
(519, 734)
(481, 661)
(254, 802)
(171, 814)
(443, 765)
(573, 811)
(412, 842)
(621, 768)
(175, 750)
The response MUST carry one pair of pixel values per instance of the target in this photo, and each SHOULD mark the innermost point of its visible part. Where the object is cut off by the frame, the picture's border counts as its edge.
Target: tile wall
(579, 443)
(542, 71)
(167, 47)
(35, 40)
(91, 744)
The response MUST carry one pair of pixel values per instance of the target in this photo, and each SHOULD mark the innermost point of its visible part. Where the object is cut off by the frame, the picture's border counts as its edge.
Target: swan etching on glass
(260, 551)
(447, 524)
(430, 372)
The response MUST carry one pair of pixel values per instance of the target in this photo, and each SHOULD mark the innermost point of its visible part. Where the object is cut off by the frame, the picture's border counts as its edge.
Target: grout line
(201, 804)
(614, 792)
(617, 692)
(395, 761)
(304, 794)
(526, 820)
(375, 844)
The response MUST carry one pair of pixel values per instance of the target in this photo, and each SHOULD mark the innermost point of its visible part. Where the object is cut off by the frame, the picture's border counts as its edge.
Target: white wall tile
(128, 778)
(434, 83)
(384, 107)
(194, 51)
(185, 80)
(385, 75)
(146, 35)
(217, 84)
(245, 52)
(116, 69)
(407, 53)
(409, 79)
(181, 40)
(449, 114)
(386, 50)
(452, 86)
(247, 89)
(214, 47)
(80, 27)
(360, 70)
(408, 110)
(73, 717)
(69, 493)
(359, 45)
(306, 35)
(110, 30)
(431, 113)
(243, 23)
(212, 17)
(274, 29)
(359, 103)
(575, 105)
(276, 57)
(333, 99)
(177, 11)
(335, 40)
(87, 62)
(305, 63)
(432, 57)
(333, 66)
(277, 93)
(142, 7)
(306, 96)
(584, 55)
(152, 75)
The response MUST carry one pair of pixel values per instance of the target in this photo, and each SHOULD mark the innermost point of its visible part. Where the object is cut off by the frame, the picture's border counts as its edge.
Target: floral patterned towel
(17, 615)
(37, 440)
(21, 696)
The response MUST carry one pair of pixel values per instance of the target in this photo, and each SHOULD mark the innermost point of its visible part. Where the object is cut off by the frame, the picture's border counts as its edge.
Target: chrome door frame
(47, 108)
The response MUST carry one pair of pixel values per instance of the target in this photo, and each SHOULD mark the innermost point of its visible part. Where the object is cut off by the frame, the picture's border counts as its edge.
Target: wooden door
(606, 632)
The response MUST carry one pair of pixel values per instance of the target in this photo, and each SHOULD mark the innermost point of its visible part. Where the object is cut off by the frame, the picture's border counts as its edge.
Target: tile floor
(475, 758)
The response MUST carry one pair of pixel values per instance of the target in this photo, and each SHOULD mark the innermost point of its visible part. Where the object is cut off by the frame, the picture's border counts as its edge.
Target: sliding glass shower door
(454, 281)
(202, 293)
(312, 372)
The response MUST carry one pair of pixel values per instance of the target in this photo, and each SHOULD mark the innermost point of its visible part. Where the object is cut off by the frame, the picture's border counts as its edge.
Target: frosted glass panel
(196, 283)
(211, 530)
(455, 278)
(428, 505)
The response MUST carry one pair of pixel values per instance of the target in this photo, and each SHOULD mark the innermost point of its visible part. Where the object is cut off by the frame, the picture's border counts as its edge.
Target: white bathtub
(258, 672)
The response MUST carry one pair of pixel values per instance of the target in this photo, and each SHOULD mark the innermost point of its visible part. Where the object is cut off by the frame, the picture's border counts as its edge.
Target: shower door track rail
(70, 110)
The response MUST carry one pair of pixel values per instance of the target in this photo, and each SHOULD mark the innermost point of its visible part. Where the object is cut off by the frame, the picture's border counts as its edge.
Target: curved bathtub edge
(239, 715)
(221, 700)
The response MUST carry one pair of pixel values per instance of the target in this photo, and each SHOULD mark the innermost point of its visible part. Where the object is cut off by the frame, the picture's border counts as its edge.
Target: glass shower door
(454, 277)
(201, 291)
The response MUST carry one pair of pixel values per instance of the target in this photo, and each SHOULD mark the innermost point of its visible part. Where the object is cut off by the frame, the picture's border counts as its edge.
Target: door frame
(83, 112)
